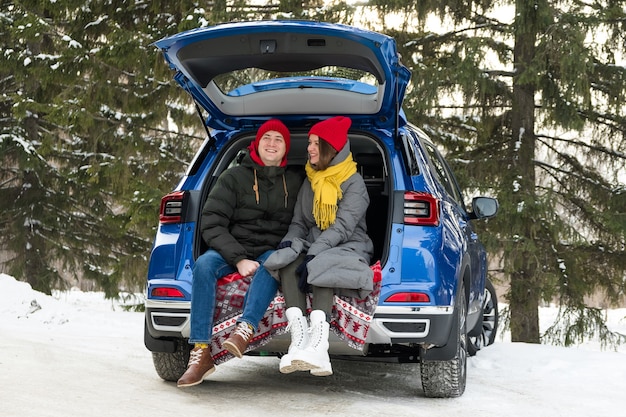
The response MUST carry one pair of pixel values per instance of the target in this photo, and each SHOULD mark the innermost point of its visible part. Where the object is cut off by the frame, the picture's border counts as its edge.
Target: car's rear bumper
(399, 325)
(390, 325)
(168, 318)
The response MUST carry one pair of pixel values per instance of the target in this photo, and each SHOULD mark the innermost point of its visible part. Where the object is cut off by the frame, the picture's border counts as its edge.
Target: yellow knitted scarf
(327, 192)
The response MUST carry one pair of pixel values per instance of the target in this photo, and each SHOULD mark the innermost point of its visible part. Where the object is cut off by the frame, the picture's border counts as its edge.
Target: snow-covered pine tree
(528, 98)
(86, 147)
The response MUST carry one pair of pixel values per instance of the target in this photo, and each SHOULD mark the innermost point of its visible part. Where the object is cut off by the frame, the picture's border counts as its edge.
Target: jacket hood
(342, 155)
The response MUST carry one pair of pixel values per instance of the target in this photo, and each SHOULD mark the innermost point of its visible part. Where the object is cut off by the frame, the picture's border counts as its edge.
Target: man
(245, 216)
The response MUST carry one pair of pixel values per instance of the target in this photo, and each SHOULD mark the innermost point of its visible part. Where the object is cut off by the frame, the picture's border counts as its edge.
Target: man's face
(272, 148)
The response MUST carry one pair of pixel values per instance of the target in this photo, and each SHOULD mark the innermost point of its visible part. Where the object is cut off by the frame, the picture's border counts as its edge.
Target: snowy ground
(77, 354)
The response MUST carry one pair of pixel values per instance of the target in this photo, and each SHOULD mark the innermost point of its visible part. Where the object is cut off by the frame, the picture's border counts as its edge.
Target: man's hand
(246, 267)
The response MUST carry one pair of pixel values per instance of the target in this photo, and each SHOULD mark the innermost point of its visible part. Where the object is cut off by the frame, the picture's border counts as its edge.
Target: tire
(486, 329)
(447, 379)
(171, 366)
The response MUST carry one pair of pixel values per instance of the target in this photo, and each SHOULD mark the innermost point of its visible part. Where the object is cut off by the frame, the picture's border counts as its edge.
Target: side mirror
(484, 207)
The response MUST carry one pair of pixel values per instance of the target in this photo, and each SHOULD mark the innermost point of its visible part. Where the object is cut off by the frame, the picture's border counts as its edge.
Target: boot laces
(244, 331)
(296, 325)
(297, 329)
(315, 334)
(195, 356)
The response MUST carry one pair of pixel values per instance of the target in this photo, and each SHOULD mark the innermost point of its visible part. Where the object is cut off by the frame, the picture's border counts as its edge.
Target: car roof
(244, 72)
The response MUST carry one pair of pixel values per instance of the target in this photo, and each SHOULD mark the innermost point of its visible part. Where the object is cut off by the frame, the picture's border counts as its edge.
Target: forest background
(525, 98)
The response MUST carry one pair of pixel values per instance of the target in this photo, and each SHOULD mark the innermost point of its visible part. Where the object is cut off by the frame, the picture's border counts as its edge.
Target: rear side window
(443, 173)
(409, 155)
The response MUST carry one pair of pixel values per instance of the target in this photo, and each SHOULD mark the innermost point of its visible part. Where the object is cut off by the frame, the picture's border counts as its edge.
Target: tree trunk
(525, 288)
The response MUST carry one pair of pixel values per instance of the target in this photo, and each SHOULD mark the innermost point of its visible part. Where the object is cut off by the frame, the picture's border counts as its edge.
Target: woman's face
(314, 149)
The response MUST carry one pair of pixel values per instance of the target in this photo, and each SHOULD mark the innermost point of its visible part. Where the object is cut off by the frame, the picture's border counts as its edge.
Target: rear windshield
(230, 83)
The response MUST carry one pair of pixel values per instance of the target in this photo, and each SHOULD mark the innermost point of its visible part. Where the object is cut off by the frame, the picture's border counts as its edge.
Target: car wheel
(446, 379)
(171, 366)
(485, 331)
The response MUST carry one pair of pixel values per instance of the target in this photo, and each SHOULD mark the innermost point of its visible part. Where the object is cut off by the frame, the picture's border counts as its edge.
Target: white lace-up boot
(314, 356)
(299, 338)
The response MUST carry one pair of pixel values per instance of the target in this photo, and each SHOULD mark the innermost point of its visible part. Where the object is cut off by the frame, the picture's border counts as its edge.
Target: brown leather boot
(200, 366)
(238, 341)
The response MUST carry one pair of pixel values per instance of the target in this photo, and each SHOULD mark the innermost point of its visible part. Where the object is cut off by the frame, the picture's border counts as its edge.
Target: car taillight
(167, 292)
(421, 209)
(172, 206)
(408, 297)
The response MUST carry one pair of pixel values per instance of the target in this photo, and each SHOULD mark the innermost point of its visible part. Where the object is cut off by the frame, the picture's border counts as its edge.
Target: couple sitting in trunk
(262, 221)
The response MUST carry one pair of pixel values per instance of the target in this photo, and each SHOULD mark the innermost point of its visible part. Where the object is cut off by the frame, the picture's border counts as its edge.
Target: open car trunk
(371, 164)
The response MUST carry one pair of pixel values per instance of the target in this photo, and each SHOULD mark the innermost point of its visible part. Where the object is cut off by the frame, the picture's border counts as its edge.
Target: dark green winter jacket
(235, 224)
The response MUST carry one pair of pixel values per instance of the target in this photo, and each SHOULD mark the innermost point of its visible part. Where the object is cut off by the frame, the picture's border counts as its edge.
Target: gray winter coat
(344, 250)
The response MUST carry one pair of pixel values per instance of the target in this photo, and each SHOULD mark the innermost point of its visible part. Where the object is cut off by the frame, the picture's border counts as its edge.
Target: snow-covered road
(80, 355)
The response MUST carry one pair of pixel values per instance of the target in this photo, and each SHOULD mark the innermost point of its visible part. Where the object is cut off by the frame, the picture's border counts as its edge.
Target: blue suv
(436, 306)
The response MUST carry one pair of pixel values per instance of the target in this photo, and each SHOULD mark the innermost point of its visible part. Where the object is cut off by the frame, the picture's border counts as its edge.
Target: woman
(326, 246)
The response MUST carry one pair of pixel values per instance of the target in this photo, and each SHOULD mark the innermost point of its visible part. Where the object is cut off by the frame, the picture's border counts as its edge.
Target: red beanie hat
(277, 126)
(333, 130)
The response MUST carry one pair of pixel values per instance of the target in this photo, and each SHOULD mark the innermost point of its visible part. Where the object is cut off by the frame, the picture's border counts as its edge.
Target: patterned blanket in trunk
(351, 317)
